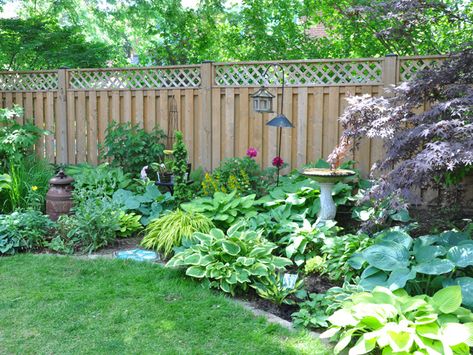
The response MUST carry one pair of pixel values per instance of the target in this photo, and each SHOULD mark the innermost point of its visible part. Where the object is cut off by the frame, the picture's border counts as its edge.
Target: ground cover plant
(116, 306)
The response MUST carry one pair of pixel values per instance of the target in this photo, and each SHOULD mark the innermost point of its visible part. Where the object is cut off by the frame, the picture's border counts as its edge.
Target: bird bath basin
(326, 179)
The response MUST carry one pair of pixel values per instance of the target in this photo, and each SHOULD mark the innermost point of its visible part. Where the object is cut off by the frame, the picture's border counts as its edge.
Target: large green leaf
(387, 256)
(399, 277)
(451, 238)
(435, 267)
(461, 255)
(448, 299)
(396, 236)
(428, 252)
(230, 247)
(466, 284)
(196, 271)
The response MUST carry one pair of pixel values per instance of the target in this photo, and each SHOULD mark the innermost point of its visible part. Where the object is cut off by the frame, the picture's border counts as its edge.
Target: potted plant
(164, 168)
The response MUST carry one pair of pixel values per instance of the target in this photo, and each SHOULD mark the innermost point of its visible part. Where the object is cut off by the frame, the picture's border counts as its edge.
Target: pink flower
(278, 162)
(251, 152)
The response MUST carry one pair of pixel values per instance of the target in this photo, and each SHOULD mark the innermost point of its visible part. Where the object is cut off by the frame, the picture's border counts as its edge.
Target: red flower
(251, 152)
(278, 162)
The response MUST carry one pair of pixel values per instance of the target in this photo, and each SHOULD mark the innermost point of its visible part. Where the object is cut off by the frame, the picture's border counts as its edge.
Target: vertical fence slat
(92, 154)
(287, 133)
(301, 126)
(316, 135)
(363, 155)
(103, 116)
(189, 124)
(126, 113)
(271, 133)
(150, 121)
(29, 106)
(18, 102)
(216, 128)
(49, 116)
(9, 99)
(242, 123)
(331, 123)
(39, 122)
(81, 138)
(71, 128)
(139, 108)
(229, 124)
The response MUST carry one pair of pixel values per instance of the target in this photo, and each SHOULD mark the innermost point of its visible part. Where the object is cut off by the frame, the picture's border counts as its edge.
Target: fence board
(92, 129)
(71, 128)
(301, 126)
(229, 124)
(81, 128)
(49, 125)
(216, 128)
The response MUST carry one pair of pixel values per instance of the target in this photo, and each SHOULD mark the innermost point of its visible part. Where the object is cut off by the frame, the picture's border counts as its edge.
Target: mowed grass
(65, 305)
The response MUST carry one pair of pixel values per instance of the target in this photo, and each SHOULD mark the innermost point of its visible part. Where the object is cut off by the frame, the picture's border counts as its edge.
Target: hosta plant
(274, 289)
(421, 265)
(168, 231)
(129, 223)
(230, 261)
(223, 209)
(397, 323)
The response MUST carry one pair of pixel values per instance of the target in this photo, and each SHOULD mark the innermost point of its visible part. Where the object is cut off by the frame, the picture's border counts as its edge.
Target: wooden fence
(213, 105)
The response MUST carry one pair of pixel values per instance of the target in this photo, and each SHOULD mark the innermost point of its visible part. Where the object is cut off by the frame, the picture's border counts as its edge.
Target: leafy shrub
(336, 253)
(168, 231)
(274, 289)
(150, 203)
(131, 147)
(16, 140)
(315, 310)
(129, 223)
(398, 323)
(181, 190)
(306, 241)
(422, 265)
(23, 231)
(97, 182)
(223, 209)
(230, 261)
(241, 174)
(95, 224)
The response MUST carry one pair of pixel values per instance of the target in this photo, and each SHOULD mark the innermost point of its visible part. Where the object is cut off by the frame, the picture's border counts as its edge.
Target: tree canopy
(89, 33)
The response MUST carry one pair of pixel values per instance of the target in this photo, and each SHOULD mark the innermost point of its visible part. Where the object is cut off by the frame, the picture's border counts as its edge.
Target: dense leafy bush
(131, 147)
(421, 265)
(424, 148)
(97, 182)
(230, 261)
(223, 209)
(23, 231)
(336, 253)
(241, 174)
(398, 323)
(129, 224)
(149, 202)
(181, 191)
(95, 224)
(169, 230)
(16, 140)
(315, 310)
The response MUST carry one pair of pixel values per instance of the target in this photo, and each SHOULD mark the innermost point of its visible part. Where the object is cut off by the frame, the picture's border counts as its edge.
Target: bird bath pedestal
(326, 179)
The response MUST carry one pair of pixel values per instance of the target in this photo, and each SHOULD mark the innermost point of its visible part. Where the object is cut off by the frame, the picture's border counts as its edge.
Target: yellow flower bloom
(34, 187)
(168, 152)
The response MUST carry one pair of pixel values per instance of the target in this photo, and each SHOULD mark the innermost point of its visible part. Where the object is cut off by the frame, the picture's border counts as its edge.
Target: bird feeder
(262, 100)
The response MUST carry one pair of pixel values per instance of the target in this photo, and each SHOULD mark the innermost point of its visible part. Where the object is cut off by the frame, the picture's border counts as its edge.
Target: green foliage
(21, 231)
(422, 265)
(223, 209)
(230, 261)
(398, 323)
(131, 147)
(336, 253)
(169, 230)
(129, 223)
(179, 170)
(150, 204)
(28, 184)
(241, 174)
(94, 225)
(274, 289)
(16, 140)
(315, 310)
(45, 42)
(97, 182)
(306, 241)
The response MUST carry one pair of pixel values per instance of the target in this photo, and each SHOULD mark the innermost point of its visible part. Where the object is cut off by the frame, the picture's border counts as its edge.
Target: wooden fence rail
(213, 103)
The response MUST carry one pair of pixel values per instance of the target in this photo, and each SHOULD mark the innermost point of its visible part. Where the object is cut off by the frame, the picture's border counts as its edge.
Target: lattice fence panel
(301, 74)
(408, 68)
(135, 79)
(37, 81)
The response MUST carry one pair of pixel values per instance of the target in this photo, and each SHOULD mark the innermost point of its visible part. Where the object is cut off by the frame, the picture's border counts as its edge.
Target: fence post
(205, 134)
(389, 73)
(61, 118)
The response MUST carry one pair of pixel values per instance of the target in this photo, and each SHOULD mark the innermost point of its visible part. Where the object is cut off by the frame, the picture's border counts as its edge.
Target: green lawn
(63, 305)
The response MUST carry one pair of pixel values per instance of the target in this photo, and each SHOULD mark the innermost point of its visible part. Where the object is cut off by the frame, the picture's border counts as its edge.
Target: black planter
(165, 178)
